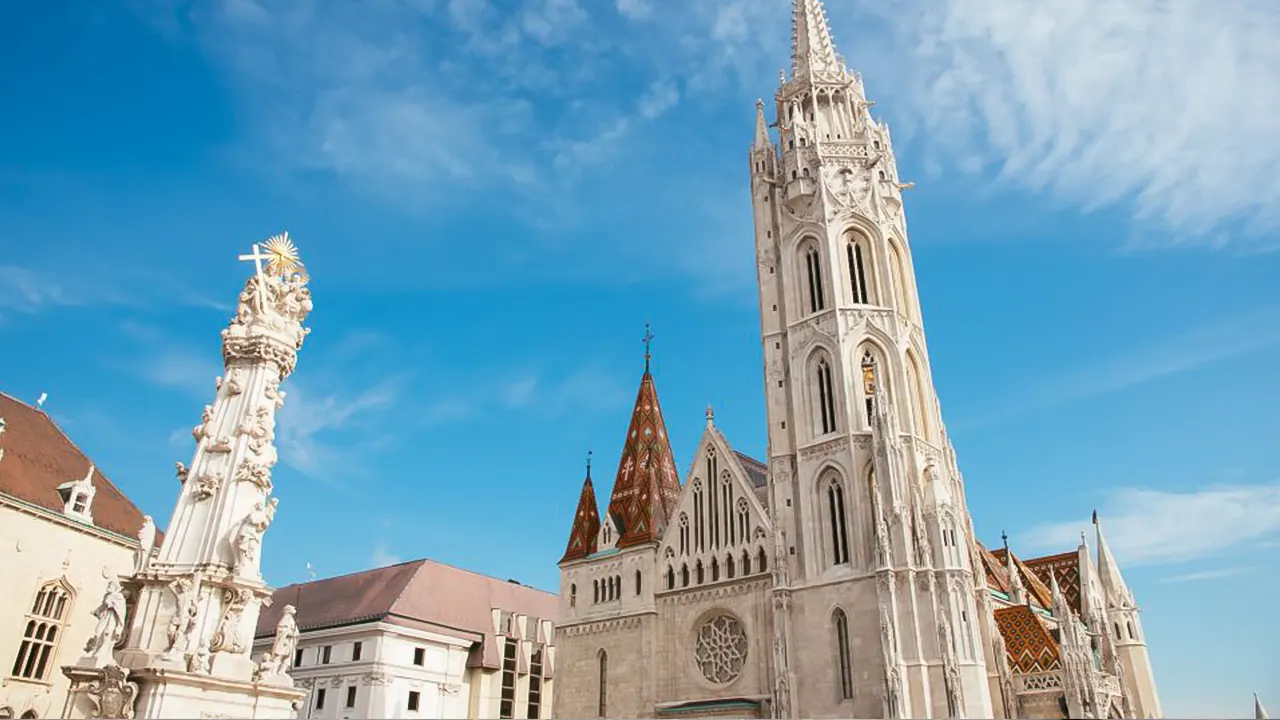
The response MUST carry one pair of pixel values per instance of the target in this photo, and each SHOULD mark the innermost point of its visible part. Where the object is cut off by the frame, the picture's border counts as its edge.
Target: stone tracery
(720, 649)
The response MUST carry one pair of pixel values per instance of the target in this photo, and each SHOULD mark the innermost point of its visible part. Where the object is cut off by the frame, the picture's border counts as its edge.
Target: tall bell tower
(873, 535)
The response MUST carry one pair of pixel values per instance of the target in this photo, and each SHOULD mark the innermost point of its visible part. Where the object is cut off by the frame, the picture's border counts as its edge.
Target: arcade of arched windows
(607, 589)
(715, 540)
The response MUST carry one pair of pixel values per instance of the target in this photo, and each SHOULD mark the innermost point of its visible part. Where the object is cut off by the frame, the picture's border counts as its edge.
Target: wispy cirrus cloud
(29, 291)
(1186, 351)
(1161, 107)
(1152, 527)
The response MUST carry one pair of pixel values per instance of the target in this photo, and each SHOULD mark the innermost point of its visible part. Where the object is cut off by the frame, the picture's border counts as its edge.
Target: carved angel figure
(110, 614)
(146, 543)
(248, 538)
(277, 659)
(184, 612)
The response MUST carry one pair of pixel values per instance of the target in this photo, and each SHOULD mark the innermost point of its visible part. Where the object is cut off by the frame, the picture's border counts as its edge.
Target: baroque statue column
(184, 650)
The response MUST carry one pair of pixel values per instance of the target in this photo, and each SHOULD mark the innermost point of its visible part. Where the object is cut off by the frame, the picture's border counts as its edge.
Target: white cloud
(635, 9)
(28, 291)
(320, 433)
(1165, 106)
(1205, 575)
(661, 96)
(1150, 527)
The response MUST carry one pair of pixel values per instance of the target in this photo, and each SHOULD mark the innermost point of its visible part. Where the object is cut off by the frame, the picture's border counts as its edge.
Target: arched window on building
(37, 652)
(638, 582)
(816, 292)
(762, 562)
(826, 396)
(671, 578)
(746, 563)
(603, 709)
(859, 283)
(573, 594)
(915, 382)
(684, 534)
(898, 276)
(838, 523)
(684, 576)
(844, 661)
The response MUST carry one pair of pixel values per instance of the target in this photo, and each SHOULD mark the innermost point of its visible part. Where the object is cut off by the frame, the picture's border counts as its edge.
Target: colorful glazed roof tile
(1039, 590)
(38, 457)
(997, 576)
(1066, 568)
(1028, 643)
(647, 489)
(586, 524)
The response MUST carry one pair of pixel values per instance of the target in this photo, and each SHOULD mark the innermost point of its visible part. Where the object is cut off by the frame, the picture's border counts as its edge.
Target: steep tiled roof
(997, 575)
(1039, 590)
(1066, 566)
(38, 457)
(420, 591)
(586, 524)
(647, 489)
(1028, 643)
(758, 474)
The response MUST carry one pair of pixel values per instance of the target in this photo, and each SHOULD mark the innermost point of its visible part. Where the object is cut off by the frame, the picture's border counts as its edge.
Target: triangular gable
(727, 462)
(583, 537)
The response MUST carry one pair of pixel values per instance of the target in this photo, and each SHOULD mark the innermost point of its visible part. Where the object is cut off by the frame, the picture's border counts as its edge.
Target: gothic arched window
(898, 275)
(728, 566)
(684, 534)
(715, 569)
(671, 578)
(604, 684)
(858, 281)
(42, 632)
(915, 384)
(845, 662)
(684, 576)
(698, 571)
(744, 520)
(762, 562)
(838, 523)
(746, 563)
(573, 595)
(699, 519)
(826, 397)
(813, 274)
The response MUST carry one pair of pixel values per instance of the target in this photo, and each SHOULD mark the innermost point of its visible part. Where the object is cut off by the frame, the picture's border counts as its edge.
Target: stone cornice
(80, 526)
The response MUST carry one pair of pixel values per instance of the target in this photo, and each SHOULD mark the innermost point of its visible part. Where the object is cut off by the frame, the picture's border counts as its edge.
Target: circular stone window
(720, 649)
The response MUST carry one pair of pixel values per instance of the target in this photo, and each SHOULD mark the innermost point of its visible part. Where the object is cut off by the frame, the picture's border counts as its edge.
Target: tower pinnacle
(648, 340)
(812, 50)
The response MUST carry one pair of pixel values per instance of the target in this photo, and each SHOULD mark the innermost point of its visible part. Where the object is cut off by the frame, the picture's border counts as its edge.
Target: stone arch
(822, 383)
(922, 419)
(832, 498)
(859, 259)
(843, 652)
(812, 276)
(900, 278)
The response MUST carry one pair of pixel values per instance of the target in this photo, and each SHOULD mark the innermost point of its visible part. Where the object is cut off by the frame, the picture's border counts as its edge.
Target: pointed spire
(711, 417)
(1113, 584)
(1061, 609)
(646, 489)
(648, 340)
(586, 522)
(1259, 712)
(1091, 603)
(811, 47)
(1017, 590)
(762, 128)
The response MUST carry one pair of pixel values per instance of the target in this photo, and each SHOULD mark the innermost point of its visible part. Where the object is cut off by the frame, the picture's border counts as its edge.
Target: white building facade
(432, 641)
(64, 530)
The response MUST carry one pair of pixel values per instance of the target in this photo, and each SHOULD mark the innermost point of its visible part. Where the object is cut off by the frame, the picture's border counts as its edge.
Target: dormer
(77, 497)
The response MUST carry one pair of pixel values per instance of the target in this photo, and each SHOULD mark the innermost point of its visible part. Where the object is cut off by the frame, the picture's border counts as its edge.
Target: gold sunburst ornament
(282, 256)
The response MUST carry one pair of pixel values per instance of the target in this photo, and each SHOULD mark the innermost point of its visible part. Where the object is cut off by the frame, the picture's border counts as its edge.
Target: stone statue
(181, 471)
(248, 538)
(146, 543)
(184, 612)
(276, 660)
(110, 614)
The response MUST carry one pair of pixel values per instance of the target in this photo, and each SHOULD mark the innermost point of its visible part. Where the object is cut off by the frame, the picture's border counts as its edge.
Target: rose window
(721, 649)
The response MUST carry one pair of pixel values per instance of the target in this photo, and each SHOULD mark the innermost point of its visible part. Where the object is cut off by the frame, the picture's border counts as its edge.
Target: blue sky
(494, 197)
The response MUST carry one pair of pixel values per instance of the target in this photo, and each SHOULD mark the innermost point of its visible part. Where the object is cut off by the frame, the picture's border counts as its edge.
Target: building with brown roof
(419, 639)
(64, 529)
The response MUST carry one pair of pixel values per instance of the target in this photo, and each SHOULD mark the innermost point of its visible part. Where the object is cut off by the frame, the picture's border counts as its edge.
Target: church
(841, 576)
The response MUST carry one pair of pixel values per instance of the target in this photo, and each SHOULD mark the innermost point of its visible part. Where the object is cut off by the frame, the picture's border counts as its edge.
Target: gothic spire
(1017, 590)
(1259, 712)
(1113, 584)
(586, 522)
(762, 129)
(646, 490)
(812, 50)
(1060, 607)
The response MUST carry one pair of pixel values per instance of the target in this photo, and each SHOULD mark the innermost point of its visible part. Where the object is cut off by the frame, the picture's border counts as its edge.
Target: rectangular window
(297, 657)
(419, 657)
(507, 707)
(355, 651)
(414, 699)
(535, 685)
(351, 696)
(325, 654)
(320, 699)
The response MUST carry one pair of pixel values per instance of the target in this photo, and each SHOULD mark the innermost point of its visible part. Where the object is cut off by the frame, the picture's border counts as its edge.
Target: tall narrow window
(535, 685)
(728, 567)
(699, 573)
(826, 397)
(715, 569)
(746, 563)
(43, 631)
(684, 576)
(573, 595)
(899, 277)
(671, 578)
(857, 273)
(841, 622)
(869, 385)
(762, 561)
(839, 527)
(507, 707)
(604, 684)
(637, 582)
(684, 534)
(699, 519)
(813, 269)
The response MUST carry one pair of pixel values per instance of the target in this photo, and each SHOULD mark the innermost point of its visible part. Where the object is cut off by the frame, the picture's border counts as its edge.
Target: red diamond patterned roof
(647, 488)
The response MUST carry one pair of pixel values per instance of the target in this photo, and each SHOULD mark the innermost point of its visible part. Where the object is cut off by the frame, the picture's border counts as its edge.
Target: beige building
(65, 529)
(842, 577)
(419, 640)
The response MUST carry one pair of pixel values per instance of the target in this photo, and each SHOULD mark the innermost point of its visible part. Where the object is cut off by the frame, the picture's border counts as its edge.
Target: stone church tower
(842, 577)
(868, 504)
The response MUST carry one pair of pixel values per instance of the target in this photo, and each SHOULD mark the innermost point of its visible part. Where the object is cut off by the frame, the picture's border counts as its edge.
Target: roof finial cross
(648, 340)
(588, 463)
(1005, 539)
